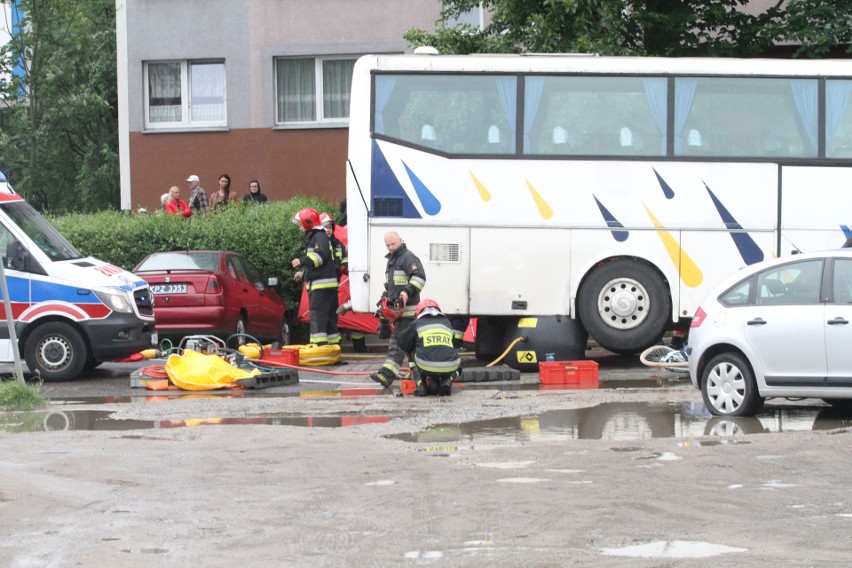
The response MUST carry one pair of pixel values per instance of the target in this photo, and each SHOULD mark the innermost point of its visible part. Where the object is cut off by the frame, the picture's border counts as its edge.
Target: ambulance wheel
(624, 305)
(56, 352)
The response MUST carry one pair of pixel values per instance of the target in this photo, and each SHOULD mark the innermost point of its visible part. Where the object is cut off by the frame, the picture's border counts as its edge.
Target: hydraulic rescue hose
(509, 348)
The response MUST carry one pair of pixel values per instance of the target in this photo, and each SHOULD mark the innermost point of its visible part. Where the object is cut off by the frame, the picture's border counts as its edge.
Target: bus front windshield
(42, 233)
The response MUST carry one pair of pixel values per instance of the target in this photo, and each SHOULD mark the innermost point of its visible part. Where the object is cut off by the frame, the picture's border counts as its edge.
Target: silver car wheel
(726, 388)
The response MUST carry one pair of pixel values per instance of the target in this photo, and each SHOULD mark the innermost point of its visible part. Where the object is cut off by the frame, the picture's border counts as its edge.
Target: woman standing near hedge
(254, 195)
(224, 195)
(175, 205)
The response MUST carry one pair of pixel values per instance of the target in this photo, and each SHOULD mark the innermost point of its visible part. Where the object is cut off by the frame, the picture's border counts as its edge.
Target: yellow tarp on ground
(196, 371)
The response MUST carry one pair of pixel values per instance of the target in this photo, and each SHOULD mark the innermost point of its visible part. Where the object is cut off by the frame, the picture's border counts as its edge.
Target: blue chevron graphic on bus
(384, 184)
(611, 221)
(667, 190)
(749, 251)
(430, 204)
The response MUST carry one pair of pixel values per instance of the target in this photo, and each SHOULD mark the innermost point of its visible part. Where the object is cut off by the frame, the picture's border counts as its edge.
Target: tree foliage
(645, 27)
(58, 114)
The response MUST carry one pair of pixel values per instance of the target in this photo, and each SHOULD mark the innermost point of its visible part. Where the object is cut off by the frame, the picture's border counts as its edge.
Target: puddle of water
(610, 421)
(628, 421)
(100, 420)
(672, 549)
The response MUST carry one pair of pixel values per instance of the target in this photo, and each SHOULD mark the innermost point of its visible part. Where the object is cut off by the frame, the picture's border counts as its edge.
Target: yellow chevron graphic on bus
(483, 193)
(689, 271)
(543, 208)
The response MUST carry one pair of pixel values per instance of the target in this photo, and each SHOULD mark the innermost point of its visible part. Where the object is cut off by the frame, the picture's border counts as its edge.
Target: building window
(185, 94)
(312, 89)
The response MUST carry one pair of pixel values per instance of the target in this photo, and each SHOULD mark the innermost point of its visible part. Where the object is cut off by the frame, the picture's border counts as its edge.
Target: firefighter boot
(383, 377)
(359, 343)
(446, 388)
(420, 381)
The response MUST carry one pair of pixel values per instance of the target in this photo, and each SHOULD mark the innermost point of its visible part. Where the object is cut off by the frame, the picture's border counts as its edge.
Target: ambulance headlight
(115, 298)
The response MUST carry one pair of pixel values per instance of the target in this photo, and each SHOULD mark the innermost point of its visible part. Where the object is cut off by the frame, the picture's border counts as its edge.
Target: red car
(219, 293)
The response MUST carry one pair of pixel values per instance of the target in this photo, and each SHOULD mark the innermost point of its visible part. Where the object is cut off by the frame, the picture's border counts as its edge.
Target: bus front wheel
(624, 305)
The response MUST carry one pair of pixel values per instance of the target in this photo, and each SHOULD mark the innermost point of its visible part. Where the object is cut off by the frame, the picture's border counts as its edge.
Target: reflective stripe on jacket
(404, 272)
(320, 269)
(430, 338)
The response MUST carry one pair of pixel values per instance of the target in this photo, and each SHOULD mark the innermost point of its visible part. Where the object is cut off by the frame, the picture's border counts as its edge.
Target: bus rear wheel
(625, 306)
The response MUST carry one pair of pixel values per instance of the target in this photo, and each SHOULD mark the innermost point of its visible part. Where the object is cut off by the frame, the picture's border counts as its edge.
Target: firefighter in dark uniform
(404, 280)
(432, 346)
(320, 276)
(341, 258)
(340, 254)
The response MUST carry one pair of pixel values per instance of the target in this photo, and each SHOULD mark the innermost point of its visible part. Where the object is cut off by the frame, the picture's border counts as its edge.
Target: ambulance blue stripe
(51, 291)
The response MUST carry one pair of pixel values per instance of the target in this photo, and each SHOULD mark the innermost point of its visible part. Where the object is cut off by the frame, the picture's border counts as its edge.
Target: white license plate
(169, 288)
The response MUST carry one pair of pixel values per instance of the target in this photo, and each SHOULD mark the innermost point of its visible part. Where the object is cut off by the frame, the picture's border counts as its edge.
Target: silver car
(780, 328)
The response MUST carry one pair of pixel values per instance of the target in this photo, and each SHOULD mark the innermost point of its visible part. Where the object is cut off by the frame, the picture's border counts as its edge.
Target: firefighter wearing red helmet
(319, 271)
(432, 347)
(404, 280)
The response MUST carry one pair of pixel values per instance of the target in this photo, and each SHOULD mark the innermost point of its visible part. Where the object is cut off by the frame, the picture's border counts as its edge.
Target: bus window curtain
(507, 90)
(836, 100)
(384, 89)
(655, 93)
(806, 98)
(533, 87)
(684, 95)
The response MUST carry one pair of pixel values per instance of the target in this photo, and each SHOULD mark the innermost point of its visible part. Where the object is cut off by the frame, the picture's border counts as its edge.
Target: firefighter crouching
(432, 347)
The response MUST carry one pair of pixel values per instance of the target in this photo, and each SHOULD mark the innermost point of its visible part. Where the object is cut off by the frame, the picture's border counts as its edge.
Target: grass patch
(15, 395)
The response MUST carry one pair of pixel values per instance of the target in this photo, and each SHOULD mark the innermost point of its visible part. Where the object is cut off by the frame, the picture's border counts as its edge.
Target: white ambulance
(71, 312)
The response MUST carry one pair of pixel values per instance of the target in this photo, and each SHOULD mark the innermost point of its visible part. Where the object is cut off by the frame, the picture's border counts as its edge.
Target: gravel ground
(283, 495)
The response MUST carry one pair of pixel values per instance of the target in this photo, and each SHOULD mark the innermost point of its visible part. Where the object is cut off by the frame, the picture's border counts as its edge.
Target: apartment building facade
(257, 89)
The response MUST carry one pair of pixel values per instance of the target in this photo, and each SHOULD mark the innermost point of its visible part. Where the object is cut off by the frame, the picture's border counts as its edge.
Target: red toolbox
(567, 372)
(285, 355)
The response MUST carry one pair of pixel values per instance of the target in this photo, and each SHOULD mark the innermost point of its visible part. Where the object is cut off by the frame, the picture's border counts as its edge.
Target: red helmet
(326, 219)
(307, 218)
(427, 307)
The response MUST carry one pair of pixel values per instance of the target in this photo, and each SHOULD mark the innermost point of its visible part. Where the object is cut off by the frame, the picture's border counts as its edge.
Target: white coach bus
(610, 191)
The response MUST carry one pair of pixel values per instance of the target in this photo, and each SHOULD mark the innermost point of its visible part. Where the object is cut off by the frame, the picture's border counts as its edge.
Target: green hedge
(264, 233)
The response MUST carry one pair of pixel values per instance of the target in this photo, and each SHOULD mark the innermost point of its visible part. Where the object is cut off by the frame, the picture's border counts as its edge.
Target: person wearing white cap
(198, 197)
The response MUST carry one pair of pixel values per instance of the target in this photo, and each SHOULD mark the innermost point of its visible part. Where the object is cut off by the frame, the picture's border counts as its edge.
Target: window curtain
(207, 92)
(507, 91)
(836, 100)
(164, 96)
(336, 86)
(684, 95)
(296, 91)
(384, 89)
(806, 98)
(533, 88)
(655, 93)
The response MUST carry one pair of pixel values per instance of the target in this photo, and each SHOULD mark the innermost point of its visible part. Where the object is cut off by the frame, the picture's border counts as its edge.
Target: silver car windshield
(42, 233)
